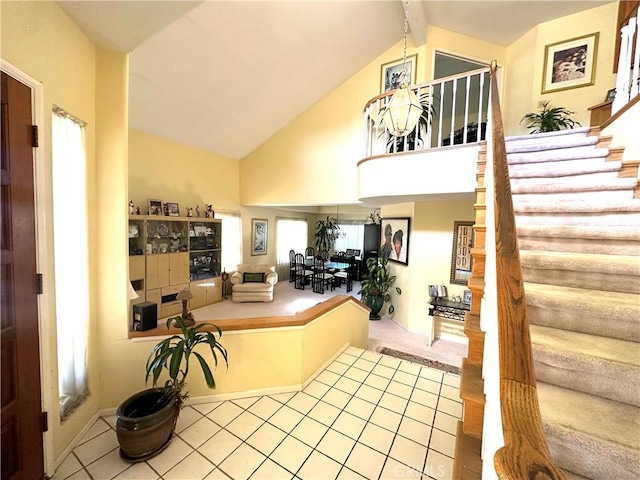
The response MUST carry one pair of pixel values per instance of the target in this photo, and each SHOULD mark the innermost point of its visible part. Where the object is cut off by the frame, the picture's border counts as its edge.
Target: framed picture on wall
(394, 239)
(393, 74)
(155, 206)
(570, 63)
(461, 261)
(259, 236)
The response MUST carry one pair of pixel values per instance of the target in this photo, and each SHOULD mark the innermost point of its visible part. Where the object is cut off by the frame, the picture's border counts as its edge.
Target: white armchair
(253, 283)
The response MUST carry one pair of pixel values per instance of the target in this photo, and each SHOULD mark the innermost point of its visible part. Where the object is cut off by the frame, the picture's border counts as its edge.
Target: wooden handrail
(525, 454)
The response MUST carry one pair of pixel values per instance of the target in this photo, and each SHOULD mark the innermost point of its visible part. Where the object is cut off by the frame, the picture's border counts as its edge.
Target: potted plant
(397, 144)
(326, 233)
(549, 119)
(375, 286)
(145, 421)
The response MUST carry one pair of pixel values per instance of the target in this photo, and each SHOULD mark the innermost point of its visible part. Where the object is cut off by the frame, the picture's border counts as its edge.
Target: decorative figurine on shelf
(197, 210)
(165, 209)
(189, 212)
(132, 208)
(137, 210)
(208, 212)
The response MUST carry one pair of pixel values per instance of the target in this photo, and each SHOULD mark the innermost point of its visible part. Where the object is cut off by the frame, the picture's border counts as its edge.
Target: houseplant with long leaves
(376, 286)
(325, 234)
(549, 119)
(145, 422)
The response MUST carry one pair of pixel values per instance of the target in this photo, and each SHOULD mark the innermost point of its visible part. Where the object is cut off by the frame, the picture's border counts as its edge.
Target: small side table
(445, 308)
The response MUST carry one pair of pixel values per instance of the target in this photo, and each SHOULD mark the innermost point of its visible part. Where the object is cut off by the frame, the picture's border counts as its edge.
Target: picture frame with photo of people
(394, 241)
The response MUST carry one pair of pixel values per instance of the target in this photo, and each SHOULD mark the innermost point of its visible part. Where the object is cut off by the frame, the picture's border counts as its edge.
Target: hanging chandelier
(403, 110)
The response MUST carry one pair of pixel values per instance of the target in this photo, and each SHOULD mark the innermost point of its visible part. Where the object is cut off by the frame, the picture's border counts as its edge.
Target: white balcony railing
(628, 79)
(455, 113)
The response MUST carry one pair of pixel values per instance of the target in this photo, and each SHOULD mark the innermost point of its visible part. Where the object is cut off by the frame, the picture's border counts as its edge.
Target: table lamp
(185, 295)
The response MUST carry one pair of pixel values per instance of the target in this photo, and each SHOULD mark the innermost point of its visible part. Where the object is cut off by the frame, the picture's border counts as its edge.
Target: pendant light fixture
(402, 112)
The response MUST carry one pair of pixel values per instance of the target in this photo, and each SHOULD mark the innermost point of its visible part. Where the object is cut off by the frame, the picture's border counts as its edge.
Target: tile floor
(366, 415)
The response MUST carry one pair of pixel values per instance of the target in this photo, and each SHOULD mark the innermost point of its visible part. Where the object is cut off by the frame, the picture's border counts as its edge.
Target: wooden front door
(22, 425)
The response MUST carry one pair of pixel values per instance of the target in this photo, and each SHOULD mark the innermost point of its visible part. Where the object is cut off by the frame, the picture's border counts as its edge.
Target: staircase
(577, 209)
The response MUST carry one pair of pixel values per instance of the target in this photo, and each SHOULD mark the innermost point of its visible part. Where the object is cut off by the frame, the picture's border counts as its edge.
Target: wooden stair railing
(525, 454)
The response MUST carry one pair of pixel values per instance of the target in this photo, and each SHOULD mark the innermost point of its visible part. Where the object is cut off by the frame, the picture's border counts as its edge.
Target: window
(351, 236)
(291, 233)
(71, 258)
(231, 240)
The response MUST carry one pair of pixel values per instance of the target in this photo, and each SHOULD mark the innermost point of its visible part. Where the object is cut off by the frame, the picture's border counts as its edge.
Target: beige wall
(40, 40)
(526, 63)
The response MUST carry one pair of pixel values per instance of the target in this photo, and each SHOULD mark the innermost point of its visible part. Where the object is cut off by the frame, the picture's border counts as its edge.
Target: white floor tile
(291, 454)
(242, 462)
(68, 467)
(309, 431)
(217, 474)
(378, 438)
(246, 402)
(328, 378)
(337, 398)
(365, 365)
(218, 447)
(108, 466)
(348, 474)
(193, 467)
(111, 420)
(171, 456)
(98, 427)
(449, 406)
(324, 413)
(266, 438)
(432, 374)
(399, 389)
(408, 367)
(376, 381)
(355, 351)
(81, 475)
(386, 419)
(383, 371)
(406, 378)
(319, 467)
(371, 356)
(424, 398)
(283, 397)
(270, 470)
(286, 418)
(370, 394)
(360, 408)
(446, 422)
(302, 402)
(451, 393)
(200, 432)
(265, 407)
(335, 445)
(348, 424)
(98, 446)
(438, 465)
(356, 374)
(138, 471)
(337, 368)
(413, 430)
(366, 461)
(451, 380)
(188, 416)
(443, 442)
(205, 408)
(347, 385)
(396, 470)
(393, 402)
(316, 389)
(390, 362)
(428, 385)
(346, 359)
(244, 425)
(408, 452)
(225, 413)
(420, 413)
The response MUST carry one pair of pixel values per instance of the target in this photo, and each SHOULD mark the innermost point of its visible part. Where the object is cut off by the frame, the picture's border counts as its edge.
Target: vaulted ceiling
(226, 75)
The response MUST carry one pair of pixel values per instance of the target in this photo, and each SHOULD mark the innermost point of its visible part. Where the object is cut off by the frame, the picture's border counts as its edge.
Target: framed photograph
(258, 236)
(611, 95)
(392, 74)
(466, 297)
(461, 261)
(394, 239)
(155, 206)
(174, 210)
(570, 63)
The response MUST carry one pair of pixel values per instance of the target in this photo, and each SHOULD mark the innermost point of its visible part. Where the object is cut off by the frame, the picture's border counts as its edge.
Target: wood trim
(227, 325)
(619, 113)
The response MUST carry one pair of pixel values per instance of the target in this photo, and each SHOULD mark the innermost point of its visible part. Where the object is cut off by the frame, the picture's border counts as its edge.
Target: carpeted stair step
(591, 436)
(614, 273)
(609, 314)
(577, 212)
(552, 144)
(561, 189)
(558, 155)
(621, 240)
(606, 367)
(591, 168)
(547, 136)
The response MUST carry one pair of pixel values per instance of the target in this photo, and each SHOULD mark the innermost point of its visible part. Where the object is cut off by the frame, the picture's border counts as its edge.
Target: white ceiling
(226, 76)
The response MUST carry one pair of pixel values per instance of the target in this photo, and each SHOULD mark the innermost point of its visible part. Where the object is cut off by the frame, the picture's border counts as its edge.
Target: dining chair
(302, 275)
(321, 278)
(347, 276)
(292, 265)
(310, 252)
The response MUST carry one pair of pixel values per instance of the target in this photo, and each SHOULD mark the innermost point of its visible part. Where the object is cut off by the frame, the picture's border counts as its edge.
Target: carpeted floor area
(384, 333)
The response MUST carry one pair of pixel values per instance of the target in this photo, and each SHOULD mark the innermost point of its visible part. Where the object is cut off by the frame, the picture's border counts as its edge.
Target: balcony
(438, 158)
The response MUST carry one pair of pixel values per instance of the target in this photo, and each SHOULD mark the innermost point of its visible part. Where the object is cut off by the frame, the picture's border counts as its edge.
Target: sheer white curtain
(71, 258)
(292, 233)
(231, 240)
(351, 235)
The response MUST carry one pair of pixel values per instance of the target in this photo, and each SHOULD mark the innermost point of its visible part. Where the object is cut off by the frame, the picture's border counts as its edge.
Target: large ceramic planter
(375, 303)
(142, 435)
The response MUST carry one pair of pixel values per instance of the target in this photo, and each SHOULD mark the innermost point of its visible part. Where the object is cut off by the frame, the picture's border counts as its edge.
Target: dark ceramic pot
(375, 304)
(145, 424)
